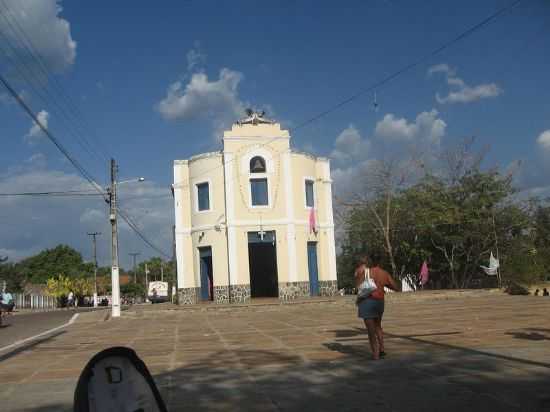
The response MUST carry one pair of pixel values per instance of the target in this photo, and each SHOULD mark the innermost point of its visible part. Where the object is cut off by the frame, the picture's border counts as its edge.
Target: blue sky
(158, 83)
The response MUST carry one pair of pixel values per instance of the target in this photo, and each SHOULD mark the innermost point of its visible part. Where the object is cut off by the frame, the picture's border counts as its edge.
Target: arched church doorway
(262, 263)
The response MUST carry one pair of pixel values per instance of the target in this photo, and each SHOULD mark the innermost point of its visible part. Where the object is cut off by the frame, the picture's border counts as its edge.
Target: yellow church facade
(254, 219)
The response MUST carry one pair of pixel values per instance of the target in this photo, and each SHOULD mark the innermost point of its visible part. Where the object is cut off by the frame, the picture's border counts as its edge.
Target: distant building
(254, 220)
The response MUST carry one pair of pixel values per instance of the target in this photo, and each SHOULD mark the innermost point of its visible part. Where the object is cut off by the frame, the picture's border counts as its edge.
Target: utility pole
(161, 272)
(115, 281)
(135, 270)
(94, 234)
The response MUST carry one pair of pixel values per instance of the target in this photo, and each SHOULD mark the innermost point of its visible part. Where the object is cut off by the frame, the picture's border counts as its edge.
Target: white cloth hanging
(494, 264)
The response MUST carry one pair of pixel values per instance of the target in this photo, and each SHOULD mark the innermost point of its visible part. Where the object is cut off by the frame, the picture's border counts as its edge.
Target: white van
(158, 292)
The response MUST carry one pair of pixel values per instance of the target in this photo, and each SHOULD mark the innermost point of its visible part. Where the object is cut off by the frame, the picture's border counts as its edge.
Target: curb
(47, 332)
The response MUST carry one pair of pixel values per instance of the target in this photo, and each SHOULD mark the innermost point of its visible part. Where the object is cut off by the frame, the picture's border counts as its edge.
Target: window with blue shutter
(258, 190)
(310, 202)
(203, 196)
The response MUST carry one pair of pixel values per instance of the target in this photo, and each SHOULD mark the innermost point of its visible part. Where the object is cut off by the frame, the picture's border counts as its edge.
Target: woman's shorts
(371, 308)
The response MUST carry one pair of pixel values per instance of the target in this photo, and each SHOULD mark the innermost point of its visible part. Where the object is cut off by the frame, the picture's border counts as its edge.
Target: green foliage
(154, 268)
(133, 290)
(60, 260)
(59, 287)
(454, 224)
(12, 276)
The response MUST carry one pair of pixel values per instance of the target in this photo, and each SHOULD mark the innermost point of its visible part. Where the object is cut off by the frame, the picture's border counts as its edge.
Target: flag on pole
(312, 226)
(424, 273)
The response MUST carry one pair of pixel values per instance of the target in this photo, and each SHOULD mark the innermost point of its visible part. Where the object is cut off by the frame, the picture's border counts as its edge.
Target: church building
(254, 219)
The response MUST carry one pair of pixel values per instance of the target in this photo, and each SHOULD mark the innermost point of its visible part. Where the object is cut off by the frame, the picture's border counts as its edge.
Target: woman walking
(370, 301)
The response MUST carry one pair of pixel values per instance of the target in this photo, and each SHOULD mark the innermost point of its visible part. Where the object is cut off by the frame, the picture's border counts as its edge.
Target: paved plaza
(470, 351)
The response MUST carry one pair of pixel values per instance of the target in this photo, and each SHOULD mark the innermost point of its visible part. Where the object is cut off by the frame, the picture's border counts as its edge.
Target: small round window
(257, 165)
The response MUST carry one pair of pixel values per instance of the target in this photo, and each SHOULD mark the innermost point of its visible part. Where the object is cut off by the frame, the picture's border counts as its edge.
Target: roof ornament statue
(255, 118)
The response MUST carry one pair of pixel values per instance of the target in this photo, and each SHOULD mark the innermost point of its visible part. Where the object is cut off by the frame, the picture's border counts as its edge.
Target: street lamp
(115, 280)
(134, 180)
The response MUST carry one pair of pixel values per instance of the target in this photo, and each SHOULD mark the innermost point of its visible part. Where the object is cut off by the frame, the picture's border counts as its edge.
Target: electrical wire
(133, 225)
(52, 138)
(412, 65)
(35, 81)
(35, 55)
(466, 33)
(38, 72)
(69, 193)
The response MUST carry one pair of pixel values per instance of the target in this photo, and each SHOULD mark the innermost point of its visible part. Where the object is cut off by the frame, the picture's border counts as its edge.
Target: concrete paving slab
(459, 351)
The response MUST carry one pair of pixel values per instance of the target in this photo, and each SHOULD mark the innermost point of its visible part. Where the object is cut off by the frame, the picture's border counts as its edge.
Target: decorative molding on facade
(330, 230)
(291, 225)
(204, 156)
(256, 137)
(229, 190)
(252, 223)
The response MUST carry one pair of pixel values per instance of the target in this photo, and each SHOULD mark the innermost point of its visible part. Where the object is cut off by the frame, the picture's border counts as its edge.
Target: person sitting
(536, 292)
(545, 292)
(6, 303)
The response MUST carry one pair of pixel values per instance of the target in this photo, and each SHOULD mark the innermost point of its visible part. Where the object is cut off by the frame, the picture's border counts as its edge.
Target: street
(24, 325)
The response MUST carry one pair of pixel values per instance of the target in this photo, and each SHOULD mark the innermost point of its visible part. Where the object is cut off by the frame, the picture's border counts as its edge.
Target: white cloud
(48, 32)
(92, 216)
(544, 140)
(37, 160)
(354, 158)
(30, 224)
(195, 58)
(468, 94)
(349, 146)
(427, 127)
(442, 68)
(202, 98)
(463, 93)
(395, 129)
(35, 131)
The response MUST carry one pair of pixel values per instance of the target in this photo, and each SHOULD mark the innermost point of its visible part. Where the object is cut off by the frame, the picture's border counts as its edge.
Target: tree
(454, 218)
(82, 287)
(12, 276)
(380, 207)
(133, 290)
(59, 287)
(458, 220)
(60, 260)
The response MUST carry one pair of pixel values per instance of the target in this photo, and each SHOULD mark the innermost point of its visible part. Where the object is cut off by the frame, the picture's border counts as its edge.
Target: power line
(38, 71)
(69, 193)
(388, 78)
(412, 65)
(50, 136)
(33, 52)
(131, 223)
(48, 133)
(43, 96)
